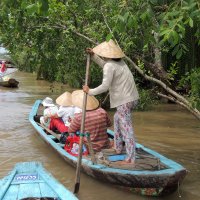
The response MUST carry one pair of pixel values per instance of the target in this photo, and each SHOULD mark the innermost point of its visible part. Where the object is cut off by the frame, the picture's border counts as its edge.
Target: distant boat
(6, 81)
(30, 181)
(11, 82)
(152, 175)
(8, 71)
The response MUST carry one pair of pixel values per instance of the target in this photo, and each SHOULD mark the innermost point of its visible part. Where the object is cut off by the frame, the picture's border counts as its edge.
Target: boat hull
(145, 182)
(29, 180)
(12, 83)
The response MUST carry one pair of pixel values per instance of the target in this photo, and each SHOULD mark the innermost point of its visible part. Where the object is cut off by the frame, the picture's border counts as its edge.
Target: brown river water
(168, 129)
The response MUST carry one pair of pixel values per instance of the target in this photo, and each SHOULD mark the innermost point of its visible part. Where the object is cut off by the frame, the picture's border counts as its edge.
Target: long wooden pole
(78, 169)
(90, 148)
(50, 131)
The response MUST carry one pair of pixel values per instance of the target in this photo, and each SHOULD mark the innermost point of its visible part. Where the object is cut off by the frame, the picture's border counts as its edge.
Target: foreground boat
(30, 181)
(153, 174)
(12, 83)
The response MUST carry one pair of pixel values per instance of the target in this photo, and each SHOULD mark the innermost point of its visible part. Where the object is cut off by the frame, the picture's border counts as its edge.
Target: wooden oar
(78, 169)
(50, 131)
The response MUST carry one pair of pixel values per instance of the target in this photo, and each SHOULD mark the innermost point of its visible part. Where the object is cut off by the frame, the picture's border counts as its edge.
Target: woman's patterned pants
(124, 130)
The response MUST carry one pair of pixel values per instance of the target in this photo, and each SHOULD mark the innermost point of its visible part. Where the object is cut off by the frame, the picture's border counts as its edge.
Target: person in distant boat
(96, 121)
(118, 79)
(62, 118)
(3, 70)
(49, 111)
(3, 66)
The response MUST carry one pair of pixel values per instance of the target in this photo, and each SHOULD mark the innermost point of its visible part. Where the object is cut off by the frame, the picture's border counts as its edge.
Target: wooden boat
(153, 174)
(8, 71)
(12, 83)
(30, 181)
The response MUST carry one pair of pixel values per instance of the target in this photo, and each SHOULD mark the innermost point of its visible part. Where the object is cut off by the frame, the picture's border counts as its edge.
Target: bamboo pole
(78, 169)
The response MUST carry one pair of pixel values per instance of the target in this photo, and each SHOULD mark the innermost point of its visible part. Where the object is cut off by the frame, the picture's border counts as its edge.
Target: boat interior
(109, 157)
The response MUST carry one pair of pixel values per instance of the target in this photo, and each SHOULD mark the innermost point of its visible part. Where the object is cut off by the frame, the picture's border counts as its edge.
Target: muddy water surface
(168, 129)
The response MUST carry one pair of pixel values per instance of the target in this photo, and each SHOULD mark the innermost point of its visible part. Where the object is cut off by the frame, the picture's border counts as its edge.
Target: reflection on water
(168, 129)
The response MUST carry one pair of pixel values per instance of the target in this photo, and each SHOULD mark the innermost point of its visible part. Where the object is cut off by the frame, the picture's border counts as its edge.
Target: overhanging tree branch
(195, 112)
(177, 98)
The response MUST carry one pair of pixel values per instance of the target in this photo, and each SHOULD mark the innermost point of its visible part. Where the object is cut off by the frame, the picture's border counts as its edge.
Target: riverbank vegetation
(160, 38)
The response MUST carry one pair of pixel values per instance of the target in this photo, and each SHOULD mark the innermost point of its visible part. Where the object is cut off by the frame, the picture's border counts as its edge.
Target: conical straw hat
(77, 100)
(108, 50)
(64, 99)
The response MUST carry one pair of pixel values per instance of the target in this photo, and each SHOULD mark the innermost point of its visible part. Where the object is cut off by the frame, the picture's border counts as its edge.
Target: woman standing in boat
(118, 79)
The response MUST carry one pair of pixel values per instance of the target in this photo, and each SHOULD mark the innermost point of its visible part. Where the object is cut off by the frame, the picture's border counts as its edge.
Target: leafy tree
(49, 37)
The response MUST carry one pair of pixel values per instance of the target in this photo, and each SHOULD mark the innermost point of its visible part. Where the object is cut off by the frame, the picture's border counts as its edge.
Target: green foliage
(195, 87)
(191, 82)
(41, 35)
(147, 100)
(180, 16)
(172, 71)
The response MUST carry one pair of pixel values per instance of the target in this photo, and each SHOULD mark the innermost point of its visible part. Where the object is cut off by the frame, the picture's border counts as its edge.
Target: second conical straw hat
(65, 99)
(108, 50)
(77, 100)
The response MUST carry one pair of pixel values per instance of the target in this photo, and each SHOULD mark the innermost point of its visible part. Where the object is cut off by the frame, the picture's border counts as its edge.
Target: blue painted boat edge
(5, 182)
(30, 167)
(173, 166)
